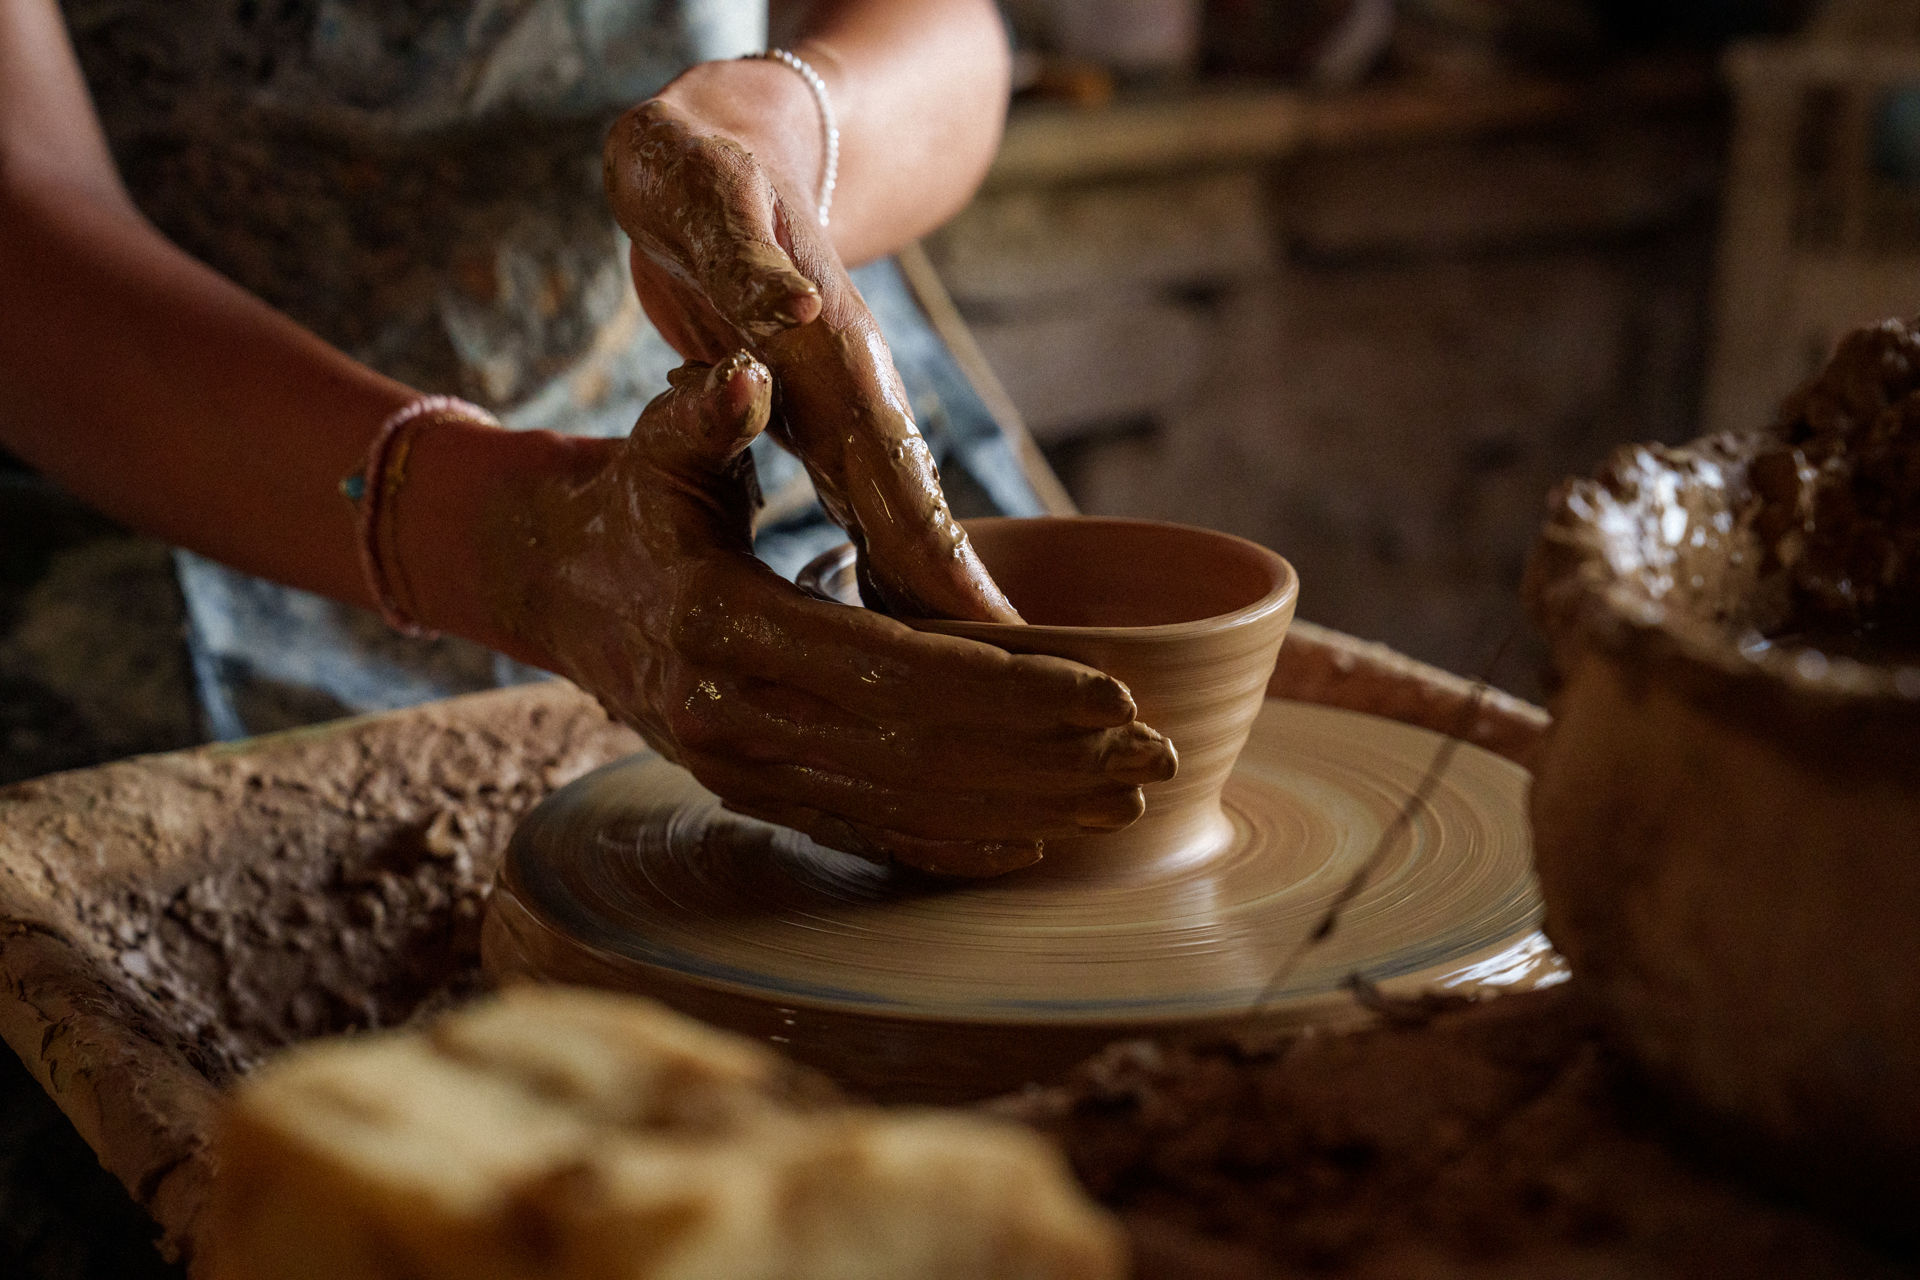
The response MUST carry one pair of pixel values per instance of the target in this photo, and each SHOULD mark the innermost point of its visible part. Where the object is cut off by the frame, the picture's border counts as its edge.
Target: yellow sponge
(575, 1135)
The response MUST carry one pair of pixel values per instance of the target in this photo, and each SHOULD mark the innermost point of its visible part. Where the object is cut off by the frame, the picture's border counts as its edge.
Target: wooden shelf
(1048, 143)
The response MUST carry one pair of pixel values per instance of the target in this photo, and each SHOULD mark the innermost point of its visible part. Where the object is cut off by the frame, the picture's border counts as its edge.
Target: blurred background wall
(1362, 279)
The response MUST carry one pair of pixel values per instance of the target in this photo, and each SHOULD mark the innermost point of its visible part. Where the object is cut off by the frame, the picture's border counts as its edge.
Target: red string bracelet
(372, 489)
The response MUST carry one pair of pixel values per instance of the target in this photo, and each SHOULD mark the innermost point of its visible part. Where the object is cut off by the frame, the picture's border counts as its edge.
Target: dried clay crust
(1780, 567)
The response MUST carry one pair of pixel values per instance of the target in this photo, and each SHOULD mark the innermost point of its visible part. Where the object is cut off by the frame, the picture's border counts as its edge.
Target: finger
(925, 811)
(680, 316)
(971, 859)
(772, 724)
(709, 414)
(880, 669)
(846, 415)
(706, 322)
(705, 211)
(754, 285)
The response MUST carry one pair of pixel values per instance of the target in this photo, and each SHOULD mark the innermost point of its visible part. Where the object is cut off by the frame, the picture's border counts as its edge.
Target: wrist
(474, 531)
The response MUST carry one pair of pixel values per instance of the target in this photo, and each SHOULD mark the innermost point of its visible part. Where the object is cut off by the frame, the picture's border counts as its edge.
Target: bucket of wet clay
(1725, 809)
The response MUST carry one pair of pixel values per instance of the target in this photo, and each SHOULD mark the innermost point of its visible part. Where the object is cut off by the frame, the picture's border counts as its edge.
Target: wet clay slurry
(1725, 818)
(903, 985)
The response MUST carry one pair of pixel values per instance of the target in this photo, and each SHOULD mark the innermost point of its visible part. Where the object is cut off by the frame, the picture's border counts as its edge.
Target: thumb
(709, 414)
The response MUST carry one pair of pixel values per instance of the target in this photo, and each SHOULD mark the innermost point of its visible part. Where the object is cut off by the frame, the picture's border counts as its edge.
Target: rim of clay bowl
(1579, 595)
(831, 563)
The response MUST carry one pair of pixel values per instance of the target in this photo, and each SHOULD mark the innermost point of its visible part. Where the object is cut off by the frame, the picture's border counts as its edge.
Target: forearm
(171, 399)
(920, 89)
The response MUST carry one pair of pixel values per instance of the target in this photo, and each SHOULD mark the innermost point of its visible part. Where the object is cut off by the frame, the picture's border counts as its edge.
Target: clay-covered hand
(942, 753)
(726, 257)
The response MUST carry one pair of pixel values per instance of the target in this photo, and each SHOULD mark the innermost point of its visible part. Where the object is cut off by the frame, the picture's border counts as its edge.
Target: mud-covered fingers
(701, 203)
(767, 724)
(709, 412)
(748, 286)
(740, 262)
(928, 811)
(745, 619)
(923, 567)
(733, 389)
(973, 859)
(1001, 759)
(685, 319)
(847, 417)
(950, 680)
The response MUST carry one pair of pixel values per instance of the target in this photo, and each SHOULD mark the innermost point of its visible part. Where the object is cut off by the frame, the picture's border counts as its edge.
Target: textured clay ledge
(1498, 1141)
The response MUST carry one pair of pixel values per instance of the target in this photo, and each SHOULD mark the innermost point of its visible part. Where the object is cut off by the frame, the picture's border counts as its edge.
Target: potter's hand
(727, 255)
(938, 752)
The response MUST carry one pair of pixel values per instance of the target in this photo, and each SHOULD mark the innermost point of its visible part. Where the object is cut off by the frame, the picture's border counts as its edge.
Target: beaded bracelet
(830, 165)
(372, 489)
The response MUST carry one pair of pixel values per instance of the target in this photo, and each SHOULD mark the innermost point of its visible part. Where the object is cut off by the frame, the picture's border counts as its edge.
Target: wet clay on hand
(844, 413)
(723, 261)
(942, 753)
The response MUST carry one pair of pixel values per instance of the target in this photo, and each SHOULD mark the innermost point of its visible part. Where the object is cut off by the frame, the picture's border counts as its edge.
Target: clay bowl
(1190, 620)
(1727, 831)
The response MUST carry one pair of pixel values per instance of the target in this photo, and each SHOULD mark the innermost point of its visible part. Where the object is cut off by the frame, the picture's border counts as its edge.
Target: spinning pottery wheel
(902, 985)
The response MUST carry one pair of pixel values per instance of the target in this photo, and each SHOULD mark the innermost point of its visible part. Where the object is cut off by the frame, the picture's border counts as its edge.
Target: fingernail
(736, 390)
(782, 294)
(1002, 856)
(1112, 817)
(1142, 755)
(1102, 702)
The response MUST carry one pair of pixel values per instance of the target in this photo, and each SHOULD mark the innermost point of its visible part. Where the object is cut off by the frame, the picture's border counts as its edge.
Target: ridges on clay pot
(1189, 619)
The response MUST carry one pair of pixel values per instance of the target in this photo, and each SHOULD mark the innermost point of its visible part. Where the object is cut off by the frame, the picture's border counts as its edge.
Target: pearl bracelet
(372, 489)
(830, 166)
